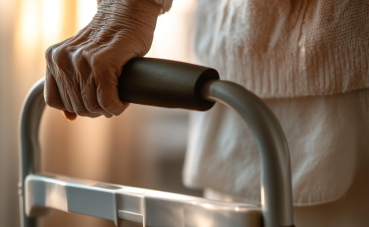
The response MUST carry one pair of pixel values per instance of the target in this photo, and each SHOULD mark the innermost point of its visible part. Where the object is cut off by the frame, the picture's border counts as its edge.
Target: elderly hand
(83, 71)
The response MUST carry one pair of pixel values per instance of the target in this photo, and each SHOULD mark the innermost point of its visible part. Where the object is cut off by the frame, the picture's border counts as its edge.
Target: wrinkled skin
(83, 71)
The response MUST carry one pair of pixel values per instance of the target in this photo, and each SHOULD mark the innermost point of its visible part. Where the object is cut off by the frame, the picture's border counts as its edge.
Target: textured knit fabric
(280, 48)
(327, 137)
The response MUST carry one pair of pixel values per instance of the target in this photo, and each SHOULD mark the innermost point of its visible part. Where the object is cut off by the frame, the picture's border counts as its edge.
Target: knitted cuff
(165, 4)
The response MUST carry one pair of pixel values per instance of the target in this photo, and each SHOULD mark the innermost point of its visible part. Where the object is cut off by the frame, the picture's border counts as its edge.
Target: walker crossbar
(141, 206)
(194, 87)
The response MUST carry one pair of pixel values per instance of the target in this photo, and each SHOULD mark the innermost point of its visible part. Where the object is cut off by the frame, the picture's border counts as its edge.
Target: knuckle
(56, 54)
(60, 55)
(77, 55)
(48, 54)
(80, 63)
(50, 50)
(85, 52)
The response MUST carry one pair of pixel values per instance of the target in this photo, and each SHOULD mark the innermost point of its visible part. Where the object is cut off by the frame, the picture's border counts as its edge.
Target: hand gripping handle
(180, 85)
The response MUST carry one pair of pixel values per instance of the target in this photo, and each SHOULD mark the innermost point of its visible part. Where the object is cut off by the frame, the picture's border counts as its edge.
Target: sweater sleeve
(165, 4)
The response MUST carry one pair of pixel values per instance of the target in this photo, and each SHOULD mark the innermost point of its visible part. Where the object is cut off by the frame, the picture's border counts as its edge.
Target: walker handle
(169, 84)
(165, 83)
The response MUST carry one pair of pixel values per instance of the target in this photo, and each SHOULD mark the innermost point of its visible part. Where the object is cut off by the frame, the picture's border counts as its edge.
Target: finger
(51, 69)
(49, 51)
(87, 84)
(59, 64)
(89, 96)
(51, 92)
(62, 69)
(107, 93)
(71, 41)
(69, 83)
(78, 105)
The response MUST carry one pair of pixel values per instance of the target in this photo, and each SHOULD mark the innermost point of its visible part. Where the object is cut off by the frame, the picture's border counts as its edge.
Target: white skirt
(328, 137)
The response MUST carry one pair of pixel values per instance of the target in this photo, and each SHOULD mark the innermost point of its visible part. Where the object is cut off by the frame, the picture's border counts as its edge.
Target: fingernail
(69, 116)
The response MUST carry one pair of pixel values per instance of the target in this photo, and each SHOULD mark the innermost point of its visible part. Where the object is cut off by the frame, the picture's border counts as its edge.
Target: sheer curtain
(131, 149)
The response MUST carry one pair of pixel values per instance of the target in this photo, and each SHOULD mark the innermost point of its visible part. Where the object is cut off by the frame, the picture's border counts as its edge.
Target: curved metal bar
(276, 190)
(29, 158)
(276, 179)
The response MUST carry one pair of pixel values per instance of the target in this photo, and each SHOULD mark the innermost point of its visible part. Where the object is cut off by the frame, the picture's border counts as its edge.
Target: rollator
(168, 84)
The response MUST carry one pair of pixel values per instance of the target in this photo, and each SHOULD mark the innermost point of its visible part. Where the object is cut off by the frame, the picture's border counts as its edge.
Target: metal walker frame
(39, 192)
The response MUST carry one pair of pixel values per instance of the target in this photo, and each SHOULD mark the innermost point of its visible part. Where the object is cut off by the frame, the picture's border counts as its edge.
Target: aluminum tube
(29, 149)
(276, 190)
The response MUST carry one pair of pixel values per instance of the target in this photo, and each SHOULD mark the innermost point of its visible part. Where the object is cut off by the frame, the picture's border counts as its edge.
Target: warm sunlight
(85, 12)
(51, 19)
(28, 27)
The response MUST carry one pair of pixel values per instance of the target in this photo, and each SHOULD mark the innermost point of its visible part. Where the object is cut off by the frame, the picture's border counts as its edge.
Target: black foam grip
(165, 83)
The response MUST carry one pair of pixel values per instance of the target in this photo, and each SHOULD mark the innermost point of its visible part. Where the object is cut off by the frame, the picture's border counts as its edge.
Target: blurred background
(144, 147)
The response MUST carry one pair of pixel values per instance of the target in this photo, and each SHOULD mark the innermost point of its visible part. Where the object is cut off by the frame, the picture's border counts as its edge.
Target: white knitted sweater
(285, 49)
(280, 48)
